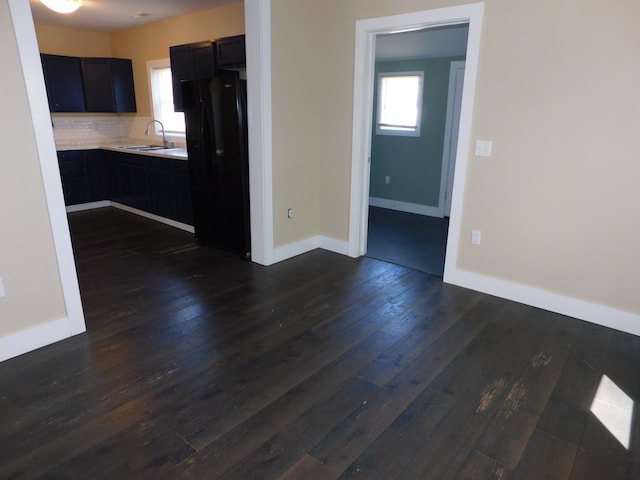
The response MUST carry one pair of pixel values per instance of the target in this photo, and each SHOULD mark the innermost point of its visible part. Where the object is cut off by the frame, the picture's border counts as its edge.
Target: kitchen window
(161, 89)
(399, 103)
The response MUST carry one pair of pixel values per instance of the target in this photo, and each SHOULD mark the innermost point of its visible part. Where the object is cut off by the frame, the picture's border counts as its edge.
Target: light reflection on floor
(614, 408)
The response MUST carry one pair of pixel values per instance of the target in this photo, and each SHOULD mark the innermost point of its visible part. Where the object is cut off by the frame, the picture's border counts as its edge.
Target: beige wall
(28, 264)
(152, 42)
(73, 42)
(558, 201)
(147, 42)
(297, 117)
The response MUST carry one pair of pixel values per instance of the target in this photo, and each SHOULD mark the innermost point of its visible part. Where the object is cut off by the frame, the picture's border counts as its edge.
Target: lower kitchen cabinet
(153, 184)
(133, 181)
(184, 208)
(96, 168)
(161, 187)
(83, 175)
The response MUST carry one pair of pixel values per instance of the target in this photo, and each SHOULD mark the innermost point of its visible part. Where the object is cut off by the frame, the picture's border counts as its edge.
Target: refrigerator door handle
(201, 124)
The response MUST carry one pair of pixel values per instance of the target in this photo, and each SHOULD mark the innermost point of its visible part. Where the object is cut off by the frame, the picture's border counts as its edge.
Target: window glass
(399, 103)
(162, 98)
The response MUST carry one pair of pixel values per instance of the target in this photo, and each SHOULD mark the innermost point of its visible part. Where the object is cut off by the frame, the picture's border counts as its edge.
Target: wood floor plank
(342, 446)
(546, 457)
(231, 448)
(200, 365)
(307, 468)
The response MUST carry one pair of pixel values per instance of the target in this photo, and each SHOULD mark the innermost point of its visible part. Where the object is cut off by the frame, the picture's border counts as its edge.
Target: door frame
(366, 32)
(448, 161)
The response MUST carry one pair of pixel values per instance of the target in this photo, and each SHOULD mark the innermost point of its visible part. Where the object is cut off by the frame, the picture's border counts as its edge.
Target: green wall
(413, 163)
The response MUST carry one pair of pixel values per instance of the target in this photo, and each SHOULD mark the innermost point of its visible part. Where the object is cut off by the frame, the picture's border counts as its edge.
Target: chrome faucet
(165, 143)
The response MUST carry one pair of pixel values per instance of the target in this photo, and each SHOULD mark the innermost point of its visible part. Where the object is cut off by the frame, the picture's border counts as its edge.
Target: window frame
(155, 105)
(398, 130)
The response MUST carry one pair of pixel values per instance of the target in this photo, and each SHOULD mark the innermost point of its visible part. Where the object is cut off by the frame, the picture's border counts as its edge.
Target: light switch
(2, 291)
(483, 148)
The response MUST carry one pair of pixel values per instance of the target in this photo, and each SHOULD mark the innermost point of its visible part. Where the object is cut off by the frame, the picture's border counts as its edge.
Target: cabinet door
(73, 177)
(204, 60)
(184, 207)
(163, 198)
(123, 87)
(133, 181)
(98, 86)
(63, 78)
(231, 52)
(181, 69)
(97, 177)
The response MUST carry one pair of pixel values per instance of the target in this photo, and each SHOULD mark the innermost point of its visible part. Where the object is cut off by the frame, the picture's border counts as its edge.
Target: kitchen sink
(144, 148)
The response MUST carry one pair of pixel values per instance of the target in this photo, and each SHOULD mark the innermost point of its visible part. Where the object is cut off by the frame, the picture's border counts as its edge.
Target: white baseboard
(303, 246)
(157, 218)
(333, 245)
(107, 203)
(583, 310)
(406, 207)
(33, 338)
(88, 206)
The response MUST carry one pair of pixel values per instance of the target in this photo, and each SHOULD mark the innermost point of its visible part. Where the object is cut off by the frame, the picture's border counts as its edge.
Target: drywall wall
(152, 41)
(146, 42)
(28, 263)
(297, 117)
(56, 40)
(557, 202)
(413, 164)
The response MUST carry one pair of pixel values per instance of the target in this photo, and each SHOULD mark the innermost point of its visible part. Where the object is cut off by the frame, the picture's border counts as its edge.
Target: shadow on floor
(406, 239)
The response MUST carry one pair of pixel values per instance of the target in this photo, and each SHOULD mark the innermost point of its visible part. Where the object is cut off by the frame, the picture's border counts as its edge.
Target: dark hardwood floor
(199, 365)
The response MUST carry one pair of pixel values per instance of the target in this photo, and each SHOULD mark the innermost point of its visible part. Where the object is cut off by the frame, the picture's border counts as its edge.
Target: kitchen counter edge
(175, 153)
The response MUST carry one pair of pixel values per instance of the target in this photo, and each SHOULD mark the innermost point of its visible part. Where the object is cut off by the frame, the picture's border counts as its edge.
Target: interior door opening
(411, 174)
(368, 31)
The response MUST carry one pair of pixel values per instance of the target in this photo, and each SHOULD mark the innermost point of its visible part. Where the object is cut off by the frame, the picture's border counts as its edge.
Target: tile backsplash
(92, 131)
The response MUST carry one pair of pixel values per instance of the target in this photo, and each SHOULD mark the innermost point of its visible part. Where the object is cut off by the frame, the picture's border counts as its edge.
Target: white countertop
(175, 153)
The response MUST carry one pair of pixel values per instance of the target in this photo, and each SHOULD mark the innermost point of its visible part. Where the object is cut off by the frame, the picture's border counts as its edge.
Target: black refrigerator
(215, 113)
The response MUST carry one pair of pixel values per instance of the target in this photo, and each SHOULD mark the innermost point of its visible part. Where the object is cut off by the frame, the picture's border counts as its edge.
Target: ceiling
(437, 42)
(114, 15)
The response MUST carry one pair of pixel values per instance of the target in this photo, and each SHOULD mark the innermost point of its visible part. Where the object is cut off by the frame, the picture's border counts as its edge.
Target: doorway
(409, 191)
(367, 32)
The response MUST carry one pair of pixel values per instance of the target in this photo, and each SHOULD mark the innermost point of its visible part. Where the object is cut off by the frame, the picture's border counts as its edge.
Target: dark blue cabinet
(89, 84)
(184, 207)
(74, 177)
(156, 185)
(133, 182)
(161, 186)
(63, 79)
(84, 176)
(230, 52)
(193, 61)
(97, 174)
(108, 85)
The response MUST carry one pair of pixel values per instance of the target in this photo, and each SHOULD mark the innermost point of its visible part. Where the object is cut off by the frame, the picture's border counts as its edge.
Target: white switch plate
(387, 179)
(2, 290)
(476, 237)
(483, 148)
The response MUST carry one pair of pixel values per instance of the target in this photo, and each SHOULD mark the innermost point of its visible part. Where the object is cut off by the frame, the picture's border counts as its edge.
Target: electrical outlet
(476, 237)
(483, 148)
(2, 290)
(387, 179)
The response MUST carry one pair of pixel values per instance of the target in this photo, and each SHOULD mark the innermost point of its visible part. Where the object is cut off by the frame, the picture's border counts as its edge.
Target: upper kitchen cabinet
(231, 52)
(108, 85)
(193, 61)
(63, 78)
